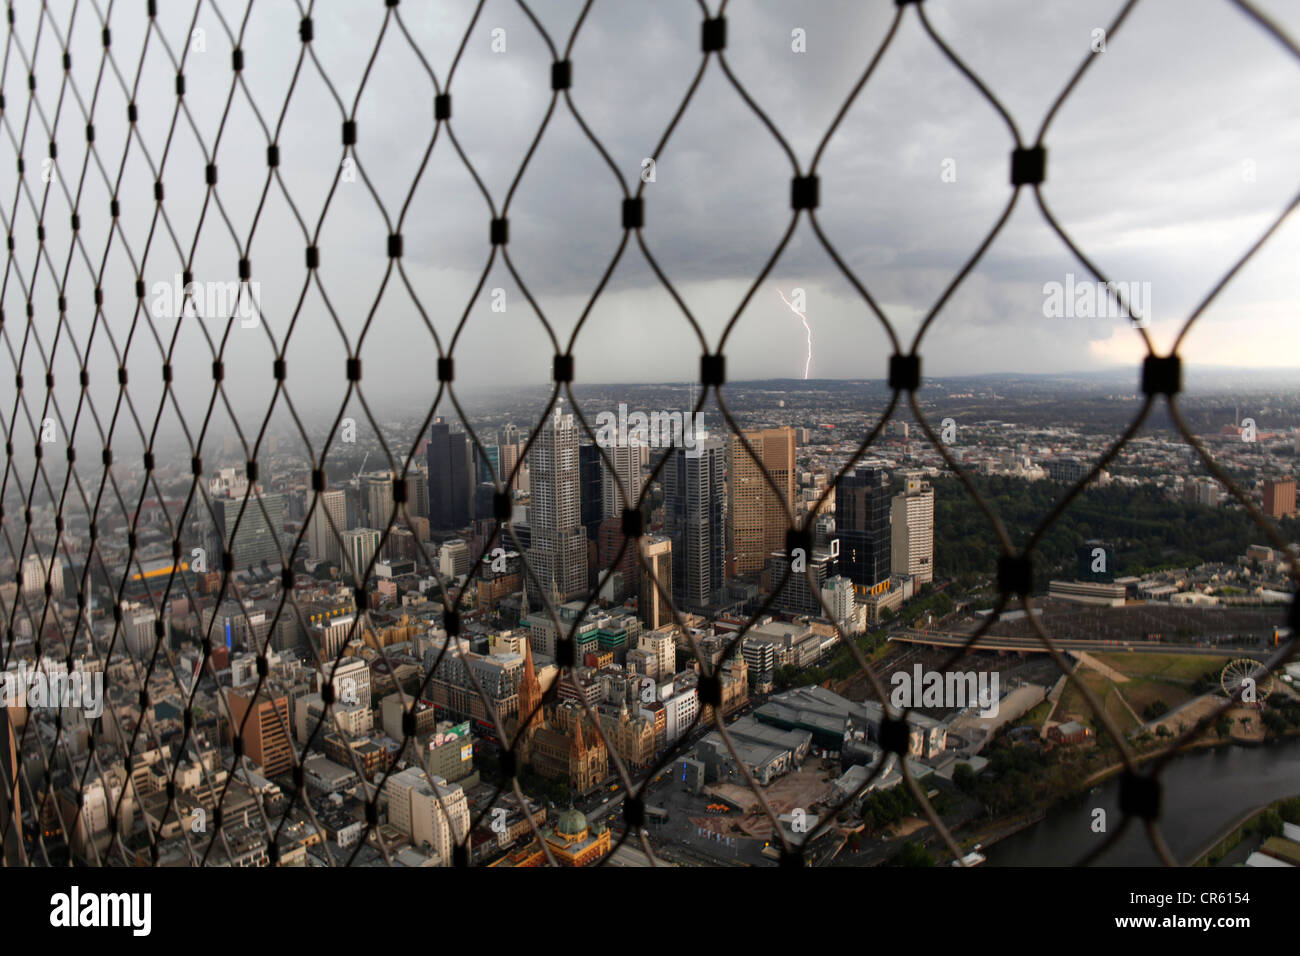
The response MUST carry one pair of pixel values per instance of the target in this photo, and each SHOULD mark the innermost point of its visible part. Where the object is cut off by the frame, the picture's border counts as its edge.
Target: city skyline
(404, 544)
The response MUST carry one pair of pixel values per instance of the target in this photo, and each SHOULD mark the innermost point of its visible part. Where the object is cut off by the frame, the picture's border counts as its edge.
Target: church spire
(579, 746)
(530, 692)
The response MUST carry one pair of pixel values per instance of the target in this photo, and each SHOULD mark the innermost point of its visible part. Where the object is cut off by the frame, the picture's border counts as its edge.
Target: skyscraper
(253, 537)
(377, 498)
(36, 568)
(359, 547)
(912, 524)
(450, 484)
(626, 474)
(322, 540)
(651, 606)
(862, 524)
(508, 456)
(593, 495)
(558, 545)
(758, 516)
(693, 519)
(488, 462)
(417, 491)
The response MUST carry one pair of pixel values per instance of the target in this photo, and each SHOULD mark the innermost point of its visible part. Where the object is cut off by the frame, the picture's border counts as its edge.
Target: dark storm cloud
(1146, 169)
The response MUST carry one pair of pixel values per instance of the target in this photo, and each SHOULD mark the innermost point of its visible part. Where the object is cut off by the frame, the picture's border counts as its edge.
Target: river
(1203, 792)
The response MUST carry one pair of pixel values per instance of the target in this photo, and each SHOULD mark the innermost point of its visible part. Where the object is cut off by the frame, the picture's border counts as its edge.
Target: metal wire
(41, 277)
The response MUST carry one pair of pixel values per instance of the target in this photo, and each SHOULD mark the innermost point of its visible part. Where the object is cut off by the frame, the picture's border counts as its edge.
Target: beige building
(664, 646)
(912, 530)
(651, 606)
(429, 811)
(758, 516)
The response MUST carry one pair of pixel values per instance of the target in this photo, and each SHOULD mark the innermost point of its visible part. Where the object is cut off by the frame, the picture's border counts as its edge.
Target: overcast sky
(1176, 150)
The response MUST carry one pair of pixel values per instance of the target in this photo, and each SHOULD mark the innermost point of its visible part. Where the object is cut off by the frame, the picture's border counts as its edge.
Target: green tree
(1289, 810)
(1270, 823)
(914, 854)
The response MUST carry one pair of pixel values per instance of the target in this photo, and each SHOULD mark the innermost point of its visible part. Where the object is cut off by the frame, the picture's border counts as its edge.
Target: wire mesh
(55, 776)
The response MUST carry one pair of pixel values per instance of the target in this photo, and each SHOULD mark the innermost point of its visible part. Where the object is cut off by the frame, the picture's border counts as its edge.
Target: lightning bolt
(808, 362)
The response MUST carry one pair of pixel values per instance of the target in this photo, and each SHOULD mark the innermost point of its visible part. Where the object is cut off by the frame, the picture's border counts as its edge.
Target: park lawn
(1115, 709)
(1141, 692)
(1074, 703)
(1035, 717)
(1176, 666)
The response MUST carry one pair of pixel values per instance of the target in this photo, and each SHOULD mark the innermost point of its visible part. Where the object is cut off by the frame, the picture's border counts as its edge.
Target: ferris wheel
(1236, 672)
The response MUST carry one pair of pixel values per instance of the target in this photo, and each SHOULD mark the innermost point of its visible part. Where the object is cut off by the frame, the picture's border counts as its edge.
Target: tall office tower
(265, 733)
(450, 487)
(1279, 497)
(356, 510)
(377, 498)
(359, 546)
(485, 502)
(651, 606)
(510, 436)
(627, 569)
(862, 524)
(795, 596)
(558, 546)
(431, 812)
(593, 495)
(489, 460)
(693, 518)
(323, 540)
(758, 515)
(257, 537)
(508, 457)
(912, 524)
(417, 491)
(36, 567)
(626, 474)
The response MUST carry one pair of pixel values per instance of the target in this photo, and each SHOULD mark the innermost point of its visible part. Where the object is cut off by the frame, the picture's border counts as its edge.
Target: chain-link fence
(155, 778)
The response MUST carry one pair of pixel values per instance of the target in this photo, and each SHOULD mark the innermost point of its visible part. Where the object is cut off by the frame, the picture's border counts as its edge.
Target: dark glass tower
(862, 525)
(589, 465)
(450, 485)
(694, 487)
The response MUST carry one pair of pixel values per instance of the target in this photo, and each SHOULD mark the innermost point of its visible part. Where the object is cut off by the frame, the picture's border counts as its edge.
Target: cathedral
(551, 750)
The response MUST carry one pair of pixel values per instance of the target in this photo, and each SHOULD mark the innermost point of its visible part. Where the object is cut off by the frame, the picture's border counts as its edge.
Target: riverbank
(1202, 743)
(1206, 794)
(1233, 834)
(994, 831)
